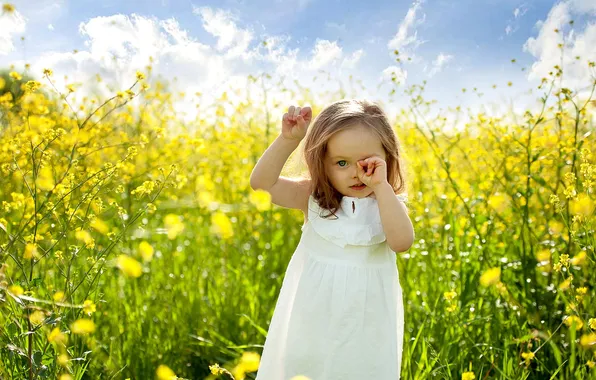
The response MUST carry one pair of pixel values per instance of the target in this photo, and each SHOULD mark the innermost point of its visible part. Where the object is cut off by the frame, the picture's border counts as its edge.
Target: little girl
(339, 314)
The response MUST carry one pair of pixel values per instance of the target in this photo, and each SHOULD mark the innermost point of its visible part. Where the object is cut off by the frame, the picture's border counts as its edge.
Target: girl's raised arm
(285, 192)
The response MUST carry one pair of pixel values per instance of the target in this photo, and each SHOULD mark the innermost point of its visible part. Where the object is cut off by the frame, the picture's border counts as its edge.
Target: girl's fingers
(296, 112)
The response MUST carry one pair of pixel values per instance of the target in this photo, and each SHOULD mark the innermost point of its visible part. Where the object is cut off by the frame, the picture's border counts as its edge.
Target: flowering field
(131, 244)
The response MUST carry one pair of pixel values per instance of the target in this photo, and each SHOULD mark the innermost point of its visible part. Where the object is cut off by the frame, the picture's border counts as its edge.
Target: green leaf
(261, 330)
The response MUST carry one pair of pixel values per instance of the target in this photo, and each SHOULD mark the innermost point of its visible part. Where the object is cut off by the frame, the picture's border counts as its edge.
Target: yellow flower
(221, 225)
(527, 356)
(579, 259)
(58, 296)
(250, 361)
(574, 318)
(99, 225)
(31, 251)
(14, 75)
(173, 225)
(556, 227)
(37, 317)
(89, 307)
(57, 336)
(151, 208)
(146, 188)
(165, 373)
(582, 205)
(588, 340)
(499, 202)
(132, 151)
(146, 250)
(48, 72)
(140, 75)
(490, 276)
(216, 369)
(63, 360)
(130, 266)
(6, 99)
(261, 199)
(205, 198)
(16, 290)
(565, 284)
(238, 373)
(65, 376)
(45, 179)
(7, 8)
(592, 323)
(32, 85)
(582, 290)
(543, 255)
(82, 326)
(85, 237)
(468, 376)
(449, 295)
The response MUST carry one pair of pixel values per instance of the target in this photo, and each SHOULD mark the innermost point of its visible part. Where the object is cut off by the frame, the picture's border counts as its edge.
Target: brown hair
(339, 116)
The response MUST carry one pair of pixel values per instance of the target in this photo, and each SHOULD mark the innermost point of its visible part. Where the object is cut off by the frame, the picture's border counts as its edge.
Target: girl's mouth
(358, 187)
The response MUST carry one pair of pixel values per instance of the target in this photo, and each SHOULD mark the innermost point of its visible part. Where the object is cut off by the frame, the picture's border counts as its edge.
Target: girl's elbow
(401, 246)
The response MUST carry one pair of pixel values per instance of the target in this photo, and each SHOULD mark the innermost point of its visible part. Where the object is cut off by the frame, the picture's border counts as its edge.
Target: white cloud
(222, 25)
(351, 61)
(439, 63)
(583, 6)
(116, 46)
(406, 38)
(579, 41)
(325, 53)
(11, 24)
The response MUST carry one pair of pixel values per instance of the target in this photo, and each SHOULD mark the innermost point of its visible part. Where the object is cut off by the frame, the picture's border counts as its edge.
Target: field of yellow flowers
(132, 246)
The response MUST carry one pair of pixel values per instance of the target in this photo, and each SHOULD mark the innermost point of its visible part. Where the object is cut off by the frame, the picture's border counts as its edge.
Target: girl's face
(344, 149)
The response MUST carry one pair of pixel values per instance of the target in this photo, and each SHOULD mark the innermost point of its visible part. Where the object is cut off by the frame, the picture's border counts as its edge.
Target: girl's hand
(295, 122)
(372, 172)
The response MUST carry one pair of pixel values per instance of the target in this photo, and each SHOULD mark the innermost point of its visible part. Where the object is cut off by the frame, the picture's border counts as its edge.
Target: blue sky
(452, 44)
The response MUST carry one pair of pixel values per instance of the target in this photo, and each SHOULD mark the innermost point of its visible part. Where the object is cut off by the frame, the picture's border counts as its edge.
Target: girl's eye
(341, 161)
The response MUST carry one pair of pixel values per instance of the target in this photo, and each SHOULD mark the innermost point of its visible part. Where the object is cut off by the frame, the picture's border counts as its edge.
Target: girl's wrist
(289, 140)
(382, 187)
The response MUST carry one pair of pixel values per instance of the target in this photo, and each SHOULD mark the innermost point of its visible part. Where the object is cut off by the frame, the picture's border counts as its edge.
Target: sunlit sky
(210, 44)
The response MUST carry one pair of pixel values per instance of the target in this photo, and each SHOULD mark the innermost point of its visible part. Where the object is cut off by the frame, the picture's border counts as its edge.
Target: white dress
(339, 314)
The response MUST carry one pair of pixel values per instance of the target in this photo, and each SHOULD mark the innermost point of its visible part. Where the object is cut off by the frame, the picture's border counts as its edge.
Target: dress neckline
(353, 206)
(357, 222)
